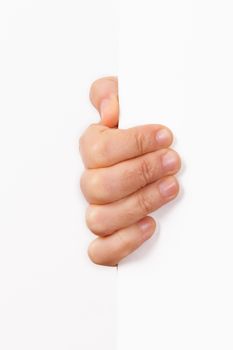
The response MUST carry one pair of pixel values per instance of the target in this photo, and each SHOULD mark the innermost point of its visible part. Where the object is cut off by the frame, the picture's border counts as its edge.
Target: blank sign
(51, 296)
(175, 68)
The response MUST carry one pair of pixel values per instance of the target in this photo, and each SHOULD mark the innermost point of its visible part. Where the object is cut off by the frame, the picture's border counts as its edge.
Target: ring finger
(105, 219)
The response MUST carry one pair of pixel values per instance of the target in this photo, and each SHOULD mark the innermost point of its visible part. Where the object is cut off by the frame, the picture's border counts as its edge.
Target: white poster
(52, 297)
(176, 69)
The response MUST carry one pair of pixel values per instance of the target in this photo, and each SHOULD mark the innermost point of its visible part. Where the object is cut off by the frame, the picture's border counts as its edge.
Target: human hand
(128, 174)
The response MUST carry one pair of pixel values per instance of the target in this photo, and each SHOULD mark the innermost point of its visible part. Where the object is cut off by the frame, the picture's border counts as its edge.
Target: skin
(128, 174)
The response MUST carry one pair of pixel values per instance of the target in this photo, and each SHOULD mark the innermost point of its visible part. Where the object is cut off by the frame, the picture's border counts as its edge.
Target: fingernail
(147, 227)
(170, 160)
(104, 107)
(163, 137)
(168, 187)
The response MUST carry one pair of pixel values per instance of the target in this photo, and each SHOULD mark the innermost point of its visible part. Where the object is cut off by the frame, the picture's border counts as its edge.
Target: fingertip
(109, 111)
(164, 136)
(147, 226)
(104, 97)
(168, 187)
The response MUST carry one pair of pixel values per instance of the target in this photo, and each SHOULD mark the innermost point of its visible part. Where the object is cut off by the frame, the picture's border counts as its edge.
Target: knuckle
(94, 88)
(140, 142)
(144, 202)
(83, 139)
(99, 152)
(96, 188)
(93, 254)
(130, 215)
(82, 182)
(91, 184)
(93, 146)
(145, 171)
(97, 256)
(81, 143)
(95, 181)
(93, 220)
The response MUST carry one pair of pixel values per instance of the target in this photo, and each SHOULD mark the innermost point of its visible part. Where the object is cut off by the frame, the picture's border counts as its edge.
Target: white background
(176, 69)
(51, 296)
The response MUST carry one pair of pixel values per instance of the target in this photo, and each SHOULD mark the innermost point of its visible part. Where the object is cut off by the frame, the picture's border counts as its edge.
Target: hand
(129, 174)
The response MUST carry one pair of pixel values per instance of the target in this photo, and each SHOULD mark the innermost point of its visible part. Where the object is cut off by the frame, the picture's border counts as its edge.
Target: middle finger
(106, 185)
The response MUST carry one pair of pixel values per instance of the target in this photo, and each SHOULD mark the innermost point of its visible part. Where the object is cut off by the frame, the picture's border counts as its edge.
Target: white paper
(176, 69)
(51, 296)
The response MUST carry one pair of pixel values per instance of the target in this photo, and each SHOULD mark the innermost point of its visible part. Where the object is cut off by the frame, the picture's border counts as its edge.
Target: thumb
(104, 97)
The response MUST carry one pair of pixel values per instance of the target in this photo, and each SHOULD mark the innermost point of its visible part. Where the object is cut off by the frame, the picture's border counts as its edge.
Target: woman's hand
(129, 174)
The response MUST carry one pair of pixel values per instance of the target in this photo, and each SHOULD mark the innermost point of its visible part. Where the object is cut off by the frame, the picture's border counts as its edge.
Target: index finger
(102, 147)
